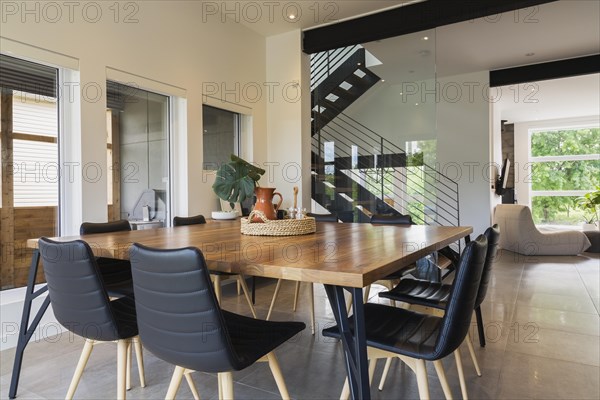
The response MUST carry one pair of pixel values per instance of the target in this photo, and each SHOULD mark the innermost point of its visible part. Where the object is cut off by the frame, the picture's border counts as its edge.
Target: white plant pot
(589, 227)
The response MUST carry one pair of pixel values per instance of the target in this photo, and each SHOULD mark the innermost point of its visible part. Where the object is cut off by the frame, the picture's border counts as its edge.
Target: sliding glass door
(138, 151)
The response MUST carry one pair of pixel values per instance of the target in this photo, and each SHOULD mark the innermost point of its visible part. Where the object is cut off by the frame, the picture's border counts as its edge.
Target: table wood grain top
(348, 254)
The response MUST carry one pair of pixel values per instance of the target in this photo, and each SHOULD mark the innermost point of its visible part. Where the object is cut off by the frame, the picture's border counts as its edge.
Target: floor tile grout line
(587, 290)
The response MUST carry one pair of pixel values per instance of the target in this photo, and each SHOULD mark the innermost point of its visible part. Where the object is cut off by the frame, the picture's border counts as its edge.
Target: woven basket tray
(280, 227)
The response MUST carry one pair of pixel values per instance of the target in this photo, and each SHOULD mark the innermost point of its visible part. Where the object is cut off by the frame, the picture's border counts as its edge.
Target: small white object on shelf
(224, 214)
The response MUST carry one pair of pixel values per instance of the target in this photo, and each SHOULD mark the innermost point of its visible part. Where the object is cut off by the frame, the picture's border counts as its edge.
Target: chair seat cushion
(425, 293)
(253, 338)
(124, 311)
(398, 330)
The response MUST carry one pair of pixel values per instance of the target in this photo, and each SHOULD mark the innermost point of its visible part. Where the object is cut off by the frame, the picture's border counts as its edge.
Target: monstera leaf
(236, 180)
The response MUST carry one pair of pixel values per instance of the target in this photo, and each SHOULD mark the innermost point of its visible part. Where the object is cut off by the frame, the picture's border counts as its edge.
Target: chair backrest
(461, 302)
(391, 219)
(492, 235)
(87, 228)
(333, 217)
(76, 291)
(183, 221)
(178, 315)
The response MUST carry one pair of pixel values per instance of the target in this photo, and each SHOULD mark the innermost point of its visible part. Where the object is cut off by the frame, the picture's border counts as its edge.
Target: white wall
(464, 147)
(288, 118)
(172, 51)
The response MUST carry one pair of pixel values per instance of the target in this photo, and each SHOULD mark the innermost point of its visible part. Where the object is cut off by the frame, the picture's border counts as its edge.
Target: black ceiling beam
(544, 71)
(409, 19)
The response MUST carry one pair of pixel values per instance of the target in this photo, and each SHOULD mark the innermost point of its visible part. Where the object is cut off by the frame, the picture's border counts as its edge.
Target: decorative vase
(264, 202)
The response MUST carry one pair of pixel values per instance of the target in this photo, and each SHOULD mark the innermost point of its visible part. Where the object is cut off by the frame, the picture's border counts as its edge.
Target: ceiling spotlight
(425, 37)
(529, 54)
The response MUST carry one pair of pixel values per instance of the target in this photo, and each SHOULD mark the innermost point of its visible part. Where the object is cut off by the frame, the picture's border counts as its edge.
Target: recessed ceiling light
(425, 37)
(529, 54)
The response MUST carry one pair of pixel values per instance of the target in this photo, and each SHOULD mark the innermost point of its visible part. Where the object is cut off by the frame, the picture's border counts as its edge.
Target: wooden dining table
(342, 257)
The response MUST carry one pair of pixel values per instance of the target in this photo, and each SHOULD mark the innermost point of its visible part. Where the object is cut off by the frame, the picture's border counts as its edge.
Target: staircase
(355, 171)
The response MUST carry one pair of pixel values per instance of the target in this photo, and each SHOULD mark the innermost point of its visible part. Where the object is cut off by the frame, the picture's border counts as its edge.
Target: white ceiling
(559, 30)
(545, 100)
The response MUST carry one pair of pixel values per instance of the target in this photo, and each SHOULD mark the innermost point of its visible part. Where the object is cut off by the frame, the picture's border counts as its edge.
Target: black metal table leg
(26, 330)
(253, 290)
(354, 339)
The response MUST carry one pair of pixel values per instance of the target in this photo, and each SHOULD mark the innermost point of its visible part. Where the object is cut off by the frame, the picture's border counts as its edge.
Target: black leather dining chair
(80, 303)
(332, 217)
(184, 221)
(218, 275)
(415, 337)
(391, 280)
(435, 296)
(115, 273)
(181, 322)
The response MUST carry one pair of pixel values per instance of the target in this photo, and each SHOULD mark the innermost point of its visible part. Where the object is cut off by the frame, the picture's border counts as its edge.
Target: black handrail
(348, 131)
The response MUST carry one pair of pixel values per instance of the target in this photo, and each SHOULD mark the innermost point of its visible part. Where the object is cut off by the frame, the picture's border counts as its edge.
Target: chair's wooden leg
(461, 374)
(227, 383)
(139, 355)
(311, 294)
(175, 382)
(242, 282)
(128, 376)
(83, 359)
(371, 371)
(367, 290)
(386, 369)
(188, 377)
(439, 368)
(348, 303)
(472, 353)
(239, 288)
(345, 395)
(217, 285)
(422, 380)
(296, 293)
(122, 350)
(220, 384)
(276, 370)
(274, 298)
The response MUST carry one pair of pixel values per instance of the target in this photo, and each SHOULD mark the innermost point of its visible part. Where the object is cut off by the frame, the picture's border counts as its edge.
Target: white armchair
(520, 235)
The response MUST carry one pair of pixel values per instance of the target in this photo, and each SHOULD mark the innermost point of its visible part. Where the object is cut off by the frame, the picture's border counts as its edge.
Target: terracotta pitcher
(264, 202)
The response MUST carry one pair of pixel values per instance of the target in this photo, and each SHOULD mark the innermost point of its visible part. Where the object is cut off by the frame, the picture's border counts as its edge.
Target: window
(565, 164)
(221, 136)
(30, 165)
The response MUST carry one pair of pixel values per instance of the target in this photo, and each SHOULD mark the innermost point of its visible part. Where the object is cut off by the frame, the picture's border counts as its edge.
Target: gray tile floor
(542, 328)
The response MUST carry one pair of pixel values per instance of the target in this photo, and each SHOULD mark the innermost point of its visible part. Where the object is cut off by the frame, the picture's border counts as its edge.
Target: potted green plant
(590, 203)
(236, 180)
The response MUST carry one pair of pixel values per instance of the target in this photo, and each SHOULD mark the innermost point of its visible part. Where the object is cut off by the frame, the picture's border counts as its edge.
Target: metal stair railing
(420, 186)
(325, 63)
